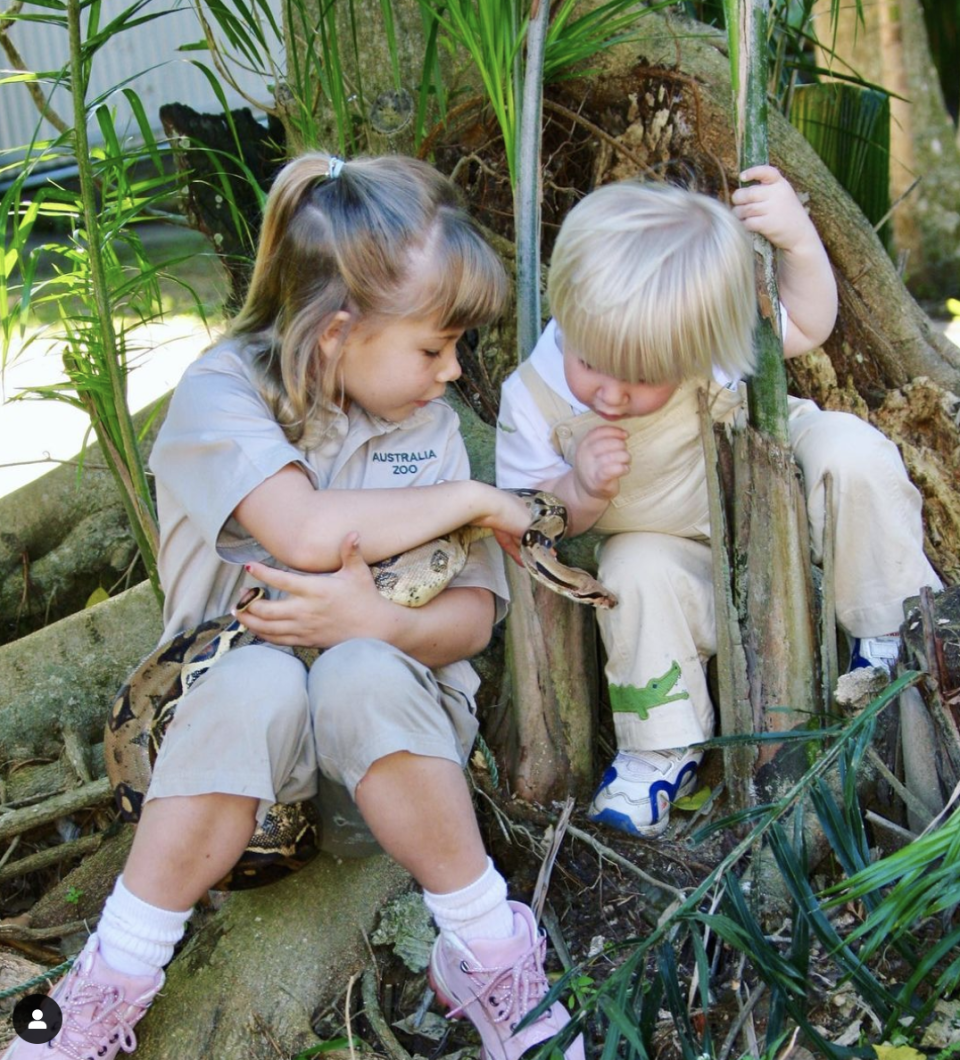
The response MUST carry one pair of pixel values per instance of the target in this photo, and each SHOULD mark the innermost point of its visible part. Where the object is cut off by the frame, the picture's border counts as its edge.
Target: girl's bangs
(461, 285)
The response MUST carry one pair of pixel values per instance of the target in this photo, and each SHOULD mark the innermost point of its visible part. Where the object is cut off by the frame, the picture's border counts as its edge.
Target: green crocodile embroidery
(629, 699)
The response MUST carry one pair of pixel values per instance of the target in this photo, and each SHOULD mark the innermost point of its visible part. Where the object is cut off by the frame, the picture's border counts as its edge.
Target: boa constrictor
(289, 835)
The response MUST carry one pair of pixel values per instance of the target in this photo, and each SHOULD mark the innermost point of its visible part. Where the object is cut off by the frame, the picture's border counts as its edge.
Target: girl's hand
(771, 207)
(319, 610)
(507, 515)
(601, 461)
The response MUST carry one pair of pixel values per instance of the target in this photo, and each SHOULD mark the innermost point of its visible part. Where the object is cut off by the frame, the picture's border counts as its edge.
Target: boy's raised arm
(805, 278)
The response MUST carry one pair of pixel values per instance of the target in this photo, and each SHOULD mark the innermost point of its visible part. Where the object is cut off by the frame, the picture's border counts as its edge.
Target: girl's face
(393, 369)
(607, 396)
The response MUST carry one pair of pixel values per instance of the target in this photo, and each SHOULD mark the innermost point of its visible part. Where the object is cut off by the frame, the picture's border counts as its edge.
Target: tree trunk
(890, 48)
(382, 112)
(61, 537)
(67, 674)
(773, 587)
(268, 963)
(551, 689)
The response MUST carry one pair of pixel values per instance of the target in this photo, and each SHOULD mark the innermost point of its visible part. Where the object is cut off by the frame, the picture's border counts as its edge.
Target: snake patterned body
(146, 704)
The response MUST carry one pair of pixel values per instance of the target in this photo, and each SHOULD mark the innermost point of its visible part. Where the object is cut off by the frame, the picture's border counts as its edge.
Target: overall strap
(552, 407)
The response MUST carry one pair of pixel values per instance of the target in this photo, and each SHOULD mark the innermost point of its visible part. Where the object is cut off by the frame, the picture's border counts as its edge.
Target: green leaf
(97, 597)
(334, 1044)
(849, 128)
(898, 1052)
(690, 803)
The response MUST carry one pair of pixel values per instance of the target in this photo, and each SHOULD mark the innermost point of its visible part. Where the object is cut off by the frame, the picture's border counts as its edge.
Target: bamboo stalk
(768, 386)
(125, 461)
(529, 187)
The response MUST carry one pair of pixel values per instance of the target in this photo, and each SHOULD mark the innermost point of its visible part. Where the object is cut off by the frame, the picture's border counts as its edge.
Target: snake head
(248, 597)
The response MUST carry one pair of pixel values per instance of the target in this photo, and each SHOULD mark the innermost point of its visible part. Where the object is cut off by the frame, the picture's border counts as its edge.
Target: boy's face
(608, 397)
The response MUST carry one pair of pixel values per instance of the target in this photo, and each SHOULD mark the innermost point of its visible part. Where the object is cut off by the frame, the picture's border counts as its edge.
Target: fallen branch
(551, 924)
(618, 859)
(51, 856)
(371, 1009)
(546, 866)
(21, 933)
(82, 798)
(7, 853)
(881, 822)
(911, 800)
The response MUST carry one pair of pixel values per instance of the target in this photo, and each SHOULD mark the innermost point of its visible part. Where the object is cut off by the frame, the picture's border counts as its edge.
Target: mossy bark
(61, 537)
(268, 963)
(67, 674)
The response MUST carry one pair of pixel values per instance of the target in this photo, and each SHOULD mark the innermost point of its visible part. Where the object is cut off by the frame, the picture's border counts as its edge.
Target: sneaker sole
(622, 822)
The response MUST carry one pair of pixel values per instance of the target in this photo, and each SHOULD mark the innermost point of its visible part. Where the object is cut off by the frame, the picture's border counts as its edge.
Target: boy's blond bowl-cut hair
(655, 284)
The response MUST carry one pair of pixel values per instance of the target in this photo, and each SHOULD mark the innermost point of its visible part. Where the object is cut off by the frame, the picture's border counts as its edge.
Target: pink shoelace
(511, 992)
(106, 1026)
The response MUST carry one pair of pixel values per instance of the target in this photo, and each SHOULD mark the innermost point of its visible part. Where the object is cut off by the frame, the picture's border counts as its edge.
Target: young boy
(653, 296)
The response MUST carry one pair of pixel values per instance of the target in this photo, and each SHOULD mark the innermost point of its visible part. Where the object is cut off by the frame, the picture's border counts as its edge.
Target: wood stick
(546, 865)
(81, 798)
(17, 932)
(371, 1009)
(52, 856)
(625, 863)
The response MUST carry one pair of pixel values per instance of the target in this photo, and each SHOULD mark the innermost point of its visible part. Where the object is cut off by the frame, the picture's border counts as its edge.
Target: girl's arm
(805, 278)
(323, 610)
(304, 528)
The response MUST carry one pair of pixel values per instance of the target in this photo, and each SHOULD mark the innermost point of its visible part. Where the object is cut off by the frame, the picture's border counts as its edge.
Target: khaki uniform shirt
(220, 441)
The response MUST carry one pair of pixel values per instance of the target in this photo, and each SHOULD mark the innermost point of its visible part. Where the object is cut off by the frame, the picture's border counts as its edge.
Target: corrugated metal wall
(147, 53)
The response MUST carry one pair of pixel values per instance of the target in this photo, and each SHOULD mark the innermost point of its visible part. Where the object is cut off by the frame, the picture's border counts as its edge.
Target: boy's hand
(601, 461)
(805, 279)
(771, 207)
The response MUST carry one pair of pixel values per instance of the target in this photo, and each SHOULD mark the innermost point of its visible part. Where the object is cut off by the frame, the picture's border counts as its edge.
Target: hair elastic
(336, 165)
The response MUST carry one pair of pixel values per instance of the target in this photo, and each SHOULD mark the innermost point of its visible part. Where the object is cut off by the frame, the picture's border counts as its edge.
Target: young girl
(279, 455)
(652, 291)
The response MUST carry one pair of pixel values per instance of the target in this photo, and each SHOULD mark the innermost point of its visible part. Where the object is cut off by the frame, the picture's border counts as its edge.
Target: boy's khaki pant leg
(658, 639)
(877, 512)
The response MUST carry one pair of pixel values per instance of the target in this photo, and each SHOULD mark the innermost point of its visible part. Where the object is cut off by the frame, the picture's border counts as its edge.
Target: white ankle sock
(137, 938)
(477, 911)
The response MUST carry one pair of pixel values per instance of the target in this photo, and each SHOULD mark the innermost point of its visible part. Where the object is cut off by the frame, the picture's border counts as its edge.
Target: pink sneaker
(495, 983)
(100, 1007)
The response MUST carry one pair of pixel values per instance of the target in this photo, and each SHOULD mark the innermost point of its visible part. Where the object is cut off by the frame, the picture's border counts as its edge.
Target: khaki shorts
(258, 724)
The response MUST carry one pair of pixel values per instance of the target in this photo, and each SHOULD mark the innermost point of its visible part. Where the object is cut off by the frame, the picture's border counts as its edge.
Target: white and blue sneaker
(881, 652)
(638, 786)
